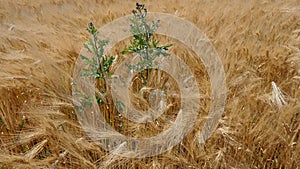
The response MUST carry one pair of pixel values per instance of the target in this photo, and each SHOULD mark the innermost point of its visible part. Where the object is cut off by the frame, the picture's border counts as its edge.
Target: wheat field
(257, 41)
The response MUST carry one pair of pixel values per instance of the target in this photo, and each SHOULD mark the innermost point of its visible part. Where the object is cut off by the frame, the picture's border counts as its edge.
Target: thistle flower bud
(91, 25)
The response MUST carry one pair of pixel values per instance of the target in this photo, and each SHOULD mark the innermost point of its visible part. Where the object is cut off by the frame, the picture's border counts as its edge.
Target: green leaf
(87, 47)
(125, 51)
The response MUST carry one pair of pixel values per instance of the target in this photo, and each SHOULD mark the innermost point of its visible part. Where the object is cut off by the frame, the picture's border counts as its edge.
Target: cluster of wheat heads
(258, 43)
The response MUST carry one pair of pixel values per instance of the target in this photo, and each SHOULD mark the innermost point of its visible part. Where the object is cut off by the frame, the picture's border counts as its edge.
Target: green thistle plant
(99, 66)
(143, 42)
